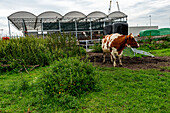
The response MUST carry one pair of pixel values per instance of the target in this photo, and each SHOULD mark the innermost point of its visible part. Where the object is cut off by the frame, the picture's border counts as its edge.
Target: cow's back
(107, 40)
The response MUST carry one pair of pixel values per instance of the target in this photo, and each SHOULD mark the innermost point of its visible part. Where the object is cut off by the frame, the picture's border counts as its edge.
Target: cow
(115, 43)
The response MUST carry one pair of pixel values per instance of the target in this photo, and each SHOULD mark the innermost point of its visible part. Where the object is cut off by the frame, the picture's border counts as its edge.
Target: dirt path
(133, 63)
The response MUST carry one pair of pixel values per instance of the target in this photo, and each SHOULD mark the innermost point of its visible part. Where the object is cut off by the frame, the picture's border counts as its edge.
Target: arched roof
(22, 14)
(31, 22)
(117, 14)
(96, 14)
(23, 18)
(49, 14)
(74, 14)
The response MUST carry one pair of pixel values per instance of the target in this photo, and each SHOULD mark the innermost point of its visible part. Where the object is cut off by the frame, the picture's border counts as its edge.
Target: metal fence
(87, 43)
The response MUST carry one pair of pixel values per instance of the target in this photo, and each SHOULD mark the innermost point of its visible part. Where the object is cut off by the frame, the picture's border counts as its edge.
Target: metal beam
(9, 28)
(42, 28)
(59, 25)
(90, 30)
(76, 28)
(24, 27)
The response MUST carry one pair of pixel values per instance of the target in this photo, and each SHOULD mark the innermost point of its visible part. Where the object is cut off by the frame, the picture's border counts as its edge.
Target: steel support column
(59, 25)
(76, 28)
(42, 32)
(9, 28)
(90, 30)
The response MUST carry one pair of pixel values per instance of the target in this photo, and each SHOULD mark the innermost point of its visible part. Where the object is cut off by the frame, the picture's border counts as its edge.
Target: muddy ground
(134, 63)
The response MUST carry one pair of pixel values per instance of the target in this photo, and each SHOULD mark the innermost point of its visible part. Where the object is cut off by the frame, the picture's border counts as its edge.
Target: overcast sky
(138, 11)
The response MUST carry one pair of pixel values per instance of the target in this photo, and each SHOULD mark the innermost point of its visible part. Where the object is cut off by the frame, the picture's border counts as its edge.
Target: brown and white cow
(115, 43)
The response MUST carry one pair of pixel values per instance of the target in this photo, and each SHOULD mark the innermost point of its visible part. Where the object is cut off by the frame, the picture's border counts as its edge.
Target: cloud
(138, 11)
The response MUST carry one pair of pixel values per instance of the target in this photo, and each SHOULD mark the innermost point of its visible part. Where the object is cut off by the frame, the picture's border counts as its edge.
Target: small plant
(25, 52)
(97, 48)
(69, 76)
(156, 46)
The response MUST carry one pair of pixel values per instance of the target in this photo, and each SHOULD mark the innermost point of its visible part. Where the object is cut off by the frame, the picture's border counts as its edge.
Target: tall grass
(28, 51)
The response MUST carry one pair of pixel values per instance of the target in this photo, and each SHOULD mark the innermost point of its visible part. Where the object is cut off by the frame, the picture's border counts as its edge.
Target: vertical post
(23, 24)
(42, 28)
(104, 24)
(90, 29)
(76, 28)
(59, 25)
(9, 29)
(1, 33)
(169, 22)
(86, 45)
(118, 6)
(150, 19)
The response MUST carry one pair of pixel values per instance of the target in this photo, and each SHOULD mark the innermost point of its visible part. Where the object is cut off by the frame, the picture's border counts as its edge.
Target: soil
(134, 63)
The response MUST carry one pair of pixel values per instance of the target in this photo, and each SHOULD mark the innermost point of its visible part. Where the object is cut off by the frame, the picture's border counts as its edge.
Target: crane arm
(110, 7)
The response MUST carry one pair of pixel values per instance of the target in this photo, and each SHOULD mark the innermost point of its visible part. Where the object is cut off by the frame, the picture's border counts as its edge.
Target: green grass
(122, 90)
(161, 52)
(158, 52)
(157, 48)
(130, 91)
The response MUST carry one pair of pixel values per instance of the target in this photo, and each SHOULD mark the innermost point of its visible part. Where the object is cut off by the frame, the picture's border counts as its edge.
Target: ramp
(141, 52)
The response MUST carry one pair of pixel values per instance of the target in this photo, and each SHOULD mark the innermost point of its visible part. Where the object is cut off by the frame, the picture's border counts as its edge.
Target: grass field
(122, 90)
(162, 52)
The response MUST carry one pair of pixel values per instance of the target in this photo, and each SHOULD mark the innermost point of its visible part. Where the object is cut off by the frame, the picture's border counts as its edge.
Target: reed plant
(28, 51)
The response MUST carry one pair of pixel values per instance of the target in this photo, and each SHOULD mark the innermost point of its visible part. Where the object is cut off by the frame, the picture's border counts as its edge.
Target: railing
(88, 43)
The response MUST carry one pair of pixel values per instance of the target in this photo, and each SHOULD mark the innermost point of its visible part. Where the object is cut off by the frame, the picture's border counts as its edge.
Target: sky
(138, 11)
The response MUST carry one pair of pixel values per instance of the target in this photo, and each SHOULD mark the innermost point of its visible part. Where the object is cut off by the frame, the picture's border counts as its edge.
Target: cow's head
(131, 41)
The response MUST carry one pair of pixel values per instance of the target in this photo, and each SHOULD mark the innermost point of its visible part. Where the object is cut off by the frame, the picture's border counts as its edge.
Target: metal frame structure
(73, 21)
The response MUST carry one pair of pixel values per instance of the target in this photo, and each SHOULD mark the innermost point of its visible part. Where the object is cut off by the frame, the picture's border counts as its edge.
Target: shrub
(69, 76)
(25, 52)
(97, 48)
(82, 51)
(155, 46)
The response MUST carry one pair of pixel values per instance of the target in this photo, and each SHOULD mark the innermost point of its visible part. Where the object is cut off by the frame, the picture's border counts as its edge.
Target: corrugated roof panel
(74, 14)
(96, 14)
(117, 14)
(22, 14)
(49, 14)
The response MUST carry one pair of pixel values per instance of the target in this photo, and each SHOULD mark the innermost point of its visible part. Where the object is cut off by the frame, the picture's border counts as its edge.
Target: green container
(164, 31)
(152, 32)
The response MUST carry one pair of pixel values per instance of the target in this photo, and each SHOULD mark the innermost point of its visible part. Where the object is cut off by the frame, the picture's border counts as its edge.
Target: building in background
(75, 22)
(135, 30)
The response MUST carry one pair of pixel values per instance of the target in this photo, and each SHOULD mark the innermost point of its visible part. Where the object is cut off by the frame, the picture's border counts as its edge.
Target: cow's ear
(130, 34)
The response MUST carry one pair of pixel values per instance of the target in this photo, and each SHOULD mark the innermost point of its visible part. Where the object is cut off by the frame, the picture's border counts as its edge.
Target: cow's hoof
(120, 65)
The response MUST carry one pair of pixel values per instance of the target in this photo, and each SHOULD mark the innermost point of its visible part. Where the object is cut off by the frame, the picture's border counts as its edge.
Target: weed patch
(25, 53)
(69, 76)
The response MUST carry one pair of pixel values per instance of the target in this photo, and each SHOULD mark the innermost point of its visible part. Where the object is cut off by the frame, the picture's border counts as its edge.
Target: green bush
(69, 76)
(167, 38)
(82, 51)
(25, 52)
(97, 48)
(155, 46)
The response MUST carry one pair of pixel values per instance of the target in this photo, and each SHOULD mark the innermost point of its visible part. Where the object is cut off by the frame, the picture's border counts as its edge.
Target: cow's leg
(119, 57)
(104, 55)
(111, 57)
(114, 60)
(120, 61)
(112, 54)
